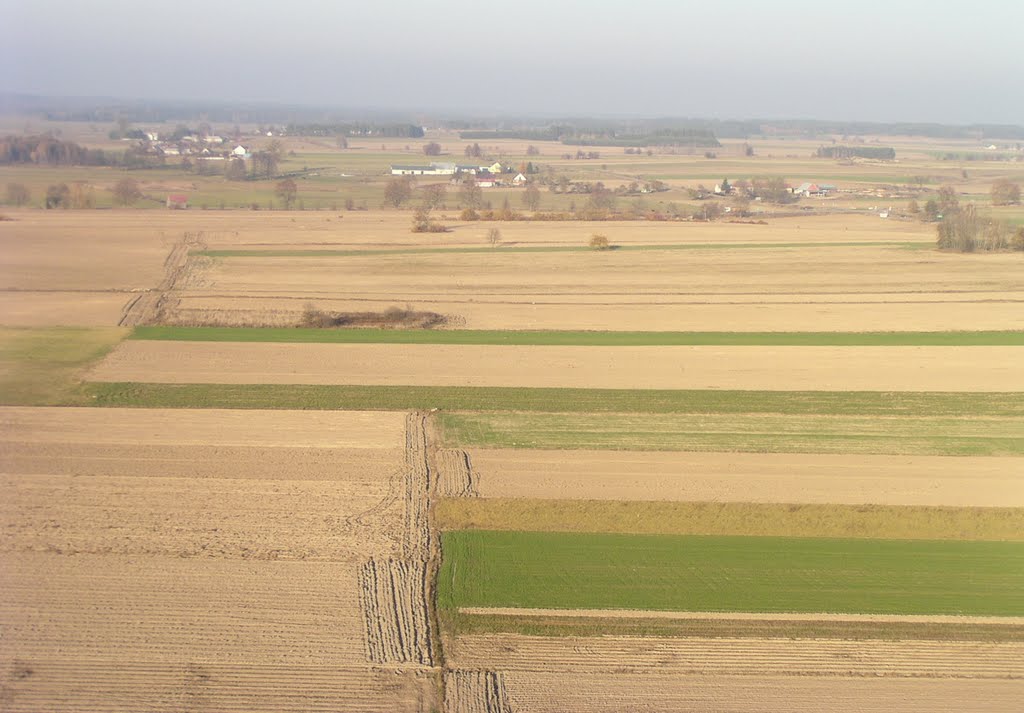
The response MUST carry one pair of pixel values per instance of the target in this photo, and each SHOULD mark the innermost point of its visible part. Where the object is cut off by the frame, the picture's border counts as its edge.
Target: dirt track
(749, 477)
(689, 367)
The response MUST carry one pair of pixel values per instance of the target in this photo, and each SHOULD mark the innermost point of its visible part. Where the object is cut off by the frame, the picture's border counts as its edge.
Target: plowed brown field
(749, 477)
(652, 692)
(754, 657)
(170, 560)
(688, 367)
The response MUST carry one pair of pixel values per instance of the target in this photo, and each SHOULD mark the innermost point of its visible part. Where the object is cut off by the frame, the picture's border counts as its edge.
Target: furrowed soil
(616, 691)
(613, 656)
(685, 367)
(751, 478)
(201, 560)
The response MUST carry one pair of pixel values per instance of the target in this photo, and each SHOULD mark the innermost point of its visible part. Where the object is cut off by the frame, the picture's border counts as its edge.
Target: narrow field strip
(562, 623)
(557, 400)
(732, 519)
(730, 574)
(574, 338)
(743, 616)
(686, 476)
(270, 252)
(975, 369)
(750, 433)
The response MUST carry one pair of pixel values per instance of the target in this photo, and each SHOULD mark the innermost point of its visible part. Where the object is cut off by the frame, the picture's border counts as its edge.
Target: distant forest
(49, 151)
(106, 110)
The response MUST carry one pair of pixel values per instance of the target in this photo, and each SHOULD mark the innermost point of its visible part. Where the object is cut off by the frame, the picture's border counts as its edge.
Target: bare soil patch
(546, 692)
(692, 367)
(614, 655)
(206, 557)
(749, 477)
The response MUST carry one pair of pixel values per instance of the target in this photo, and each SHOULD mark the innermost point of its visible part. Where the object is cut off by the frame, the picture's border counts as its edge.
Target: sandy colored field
(86, 309)
(546, 692)
(206, 557)
(699, 367)
(221, 427)
(749, 477)
(101, 260)
(851, 289)
(753, 657)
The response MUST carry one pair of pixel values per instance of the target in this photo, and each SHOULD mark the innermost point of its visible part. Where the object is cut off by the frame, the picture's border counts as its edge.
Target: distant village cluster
(485, 176)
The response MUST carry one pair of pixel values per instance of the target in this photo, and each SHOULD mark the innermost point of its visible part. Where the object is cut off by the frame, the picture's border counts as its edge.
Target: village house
(519, 180)
(177, 201)
(240, 152)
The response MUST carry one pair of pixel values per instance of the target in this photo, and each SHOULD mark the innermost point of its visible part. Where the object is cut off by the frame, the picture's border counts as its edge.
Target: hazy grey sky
(895, 60)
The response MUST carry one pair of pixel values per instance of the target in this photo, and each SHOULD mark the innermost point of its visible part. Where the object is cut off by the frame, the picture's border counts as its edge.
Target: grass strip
(575, 338)
(730, 574)
(556, 249)
(891, 522)
(457, 623)
(738, 432)
(544, 400)
(43, 366)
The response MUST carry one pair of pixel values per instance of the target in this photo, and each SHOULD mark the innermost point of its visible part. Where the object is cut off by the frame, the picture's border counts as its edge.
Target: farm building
(177, 201)
(519, 180)
(434, 169)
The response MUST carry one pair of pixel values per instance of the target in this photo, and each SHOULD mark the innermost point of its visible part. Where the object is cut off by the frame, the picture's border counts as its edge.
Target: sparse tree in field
(235, 170)
(469, 214)
(532, 151)
(599, 242)
(82, 195)
(342, 142)
(474, 151)
(276, 149)
(58, 196)
(913, 208)
(432, 149)
(287, 191)
(422, 223)
(531, 197)
(1005, 192)
(264, 163)
(741, 205)
(931, 210)
(126, 191)
(18, 194)
(709, 211)
(434, 195)
(397, 192)
(965, 231)
(494, 237)
(470, 194)
(773, 190)
(948, 200)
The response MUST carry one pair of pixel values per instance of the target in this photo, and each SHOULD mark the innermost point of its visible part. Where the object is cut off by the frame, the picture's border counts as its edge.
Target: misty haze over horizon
(915, 62)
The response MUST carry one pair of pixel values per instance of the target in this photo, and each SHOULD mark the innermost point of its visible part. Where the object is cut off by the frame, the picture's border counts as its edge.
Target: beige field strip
(961, 481)
(653, 692)
(203, 560)
(742, 616)
(287, 429)
(81, 309)
(686, 367)
(612, 655)
(697, 314)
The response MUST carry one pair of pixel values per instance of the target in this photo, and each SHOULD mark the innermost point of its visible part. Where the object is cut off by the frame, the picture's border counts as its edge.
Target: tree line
(879, 153)
(45, 150)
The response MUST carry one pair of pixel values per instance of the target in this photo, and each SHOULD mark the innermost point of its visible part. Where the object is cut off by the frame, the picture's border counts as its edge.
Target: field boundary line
(741, 616)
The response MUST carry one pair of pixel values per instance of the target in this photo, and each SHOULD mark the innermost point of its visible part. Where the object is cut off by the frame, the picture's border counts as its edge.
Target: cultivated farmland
(750, 465)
